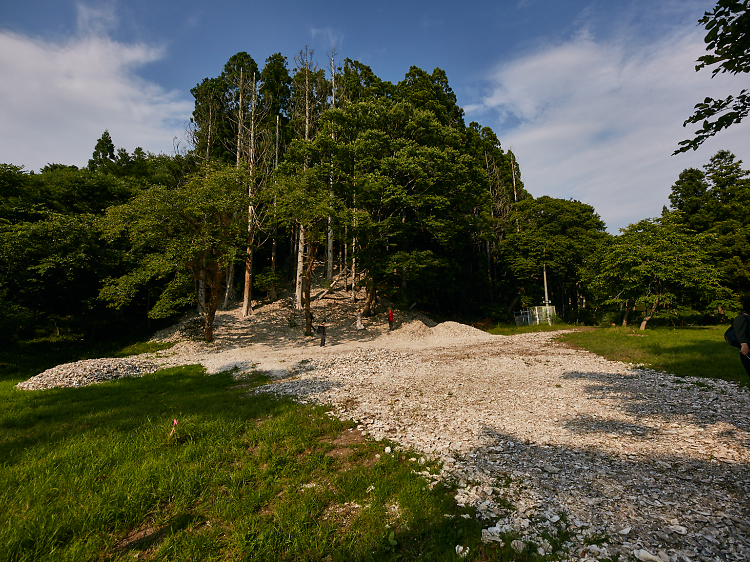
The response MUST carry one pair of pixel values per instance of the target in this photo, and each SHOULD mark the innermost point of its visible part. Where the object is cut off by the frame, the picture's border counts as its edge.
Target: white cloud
(330, 37)
(598, 121)
(56, 98)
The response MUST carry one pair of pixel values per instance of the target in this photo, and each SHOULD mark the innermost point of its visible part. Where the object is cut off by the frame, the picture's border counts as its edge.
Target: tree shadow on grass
(123, 406)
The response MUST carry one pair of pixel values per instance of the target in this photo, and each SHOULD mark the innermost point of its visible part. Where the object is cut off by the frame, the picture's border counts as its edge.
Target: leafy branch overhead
(728, 43)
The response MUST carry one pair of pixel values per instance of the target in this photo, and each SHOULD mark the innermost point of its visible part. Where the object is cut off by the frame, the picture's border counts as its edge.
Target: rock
(645, 556)
(462, 551)
(518, 546)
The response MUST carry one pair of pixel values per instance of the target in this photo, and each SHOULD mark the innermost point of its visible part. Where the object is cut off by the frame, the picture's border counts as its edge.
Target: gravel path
(534, 433)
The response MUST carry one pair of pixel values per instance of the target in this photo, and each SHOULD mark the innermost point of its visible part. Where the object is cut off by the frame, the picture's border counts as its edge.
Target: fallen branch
(327, 290)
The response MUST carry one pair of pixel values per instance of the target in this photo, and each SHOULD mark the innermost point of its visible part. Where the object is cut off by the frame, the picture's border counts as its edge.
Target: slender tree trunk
(212, 304)
(329, 249)
(300, 266)
(311, 250)
(272, 291)
(247, 300)
(369, 308)
(651, 314)
(229, 291)
(240, 118)
(247, 306)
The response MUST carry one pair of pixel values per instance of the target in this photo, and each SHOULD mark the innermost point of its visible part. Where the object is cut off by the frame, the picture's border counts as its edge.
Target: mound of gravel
(88, 371)
(414, 330)
(456, 330)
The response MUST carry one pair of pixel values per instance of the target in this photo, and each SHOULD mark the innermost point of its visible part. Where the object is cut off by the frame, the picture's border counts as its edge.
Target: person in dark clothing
(390, 319)
(322, 332)
(742, 331)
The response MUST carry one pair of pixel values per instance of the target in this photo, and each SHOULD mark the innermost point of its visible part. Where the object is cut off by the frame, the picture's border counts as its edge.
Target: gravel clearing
(537, 436)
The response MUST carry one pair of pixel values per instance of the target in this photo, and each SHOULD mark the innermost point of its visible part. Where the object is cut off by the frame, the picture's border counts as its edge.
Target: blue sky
(590, 94)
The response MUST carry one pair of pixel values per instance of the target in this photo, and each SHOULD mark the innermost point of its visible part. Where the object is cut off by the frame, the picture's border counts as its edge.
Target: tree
(728, 37)
(714, 201)
(431, 92)
(187, 236)
(555, 235)
(103, 159)
(410, 192)
(303, 198)
(659, 265)
(209, 123)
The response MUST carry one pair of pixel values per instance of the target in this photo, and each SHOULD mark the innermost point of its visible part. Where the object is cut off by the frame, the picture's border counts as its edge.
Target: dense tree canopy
(409, 202)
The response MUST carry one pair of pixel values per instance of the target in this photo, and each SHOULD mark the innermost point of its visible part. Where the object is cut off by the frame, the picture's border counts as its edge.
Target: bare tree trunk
(247, 306)
(329, 252)
(240, 118)
(311, 251)
(202, 291)
(300, 265)
(212, 304)
(651, 314)
(354, 273)
(229, 292)
(272, 291)
(627, 313)
(369, 308)
(354, 244)
(247, 300)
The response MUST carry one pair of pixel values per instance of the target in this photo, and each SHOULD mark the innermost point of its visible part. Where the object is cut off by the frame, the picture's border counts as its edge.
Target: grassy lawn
(511, 329)
(93, 474)
(696, 351)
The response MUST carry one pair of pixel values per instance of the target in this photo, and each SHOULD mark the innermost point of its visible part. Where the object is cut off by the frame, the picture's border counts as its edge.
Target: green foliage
(714, 202)
(190, 233)
(657, 264)
(51, 257)
(557, 234)
(728, 42)
(408, 190)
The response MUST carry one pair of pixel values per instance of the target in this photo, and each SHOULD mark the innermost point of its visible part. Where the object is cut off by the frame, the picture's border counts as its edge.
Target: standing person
(322, 332)
(742, 331)
(390, 319)
(359, 326)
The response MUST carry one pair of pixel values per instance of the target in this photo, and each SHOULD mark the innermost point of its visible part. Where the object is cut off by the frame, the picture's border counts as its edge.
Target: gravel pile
(89, 371)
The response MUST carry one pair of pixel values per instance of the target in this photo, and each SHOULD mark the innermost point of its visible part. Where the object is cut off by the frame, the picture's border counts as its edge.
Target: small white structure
(535, 315)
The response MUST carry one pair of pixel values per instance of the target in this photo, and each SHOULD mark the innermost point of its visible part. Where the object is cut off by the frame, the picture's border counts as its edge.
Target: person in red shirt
(390, 319)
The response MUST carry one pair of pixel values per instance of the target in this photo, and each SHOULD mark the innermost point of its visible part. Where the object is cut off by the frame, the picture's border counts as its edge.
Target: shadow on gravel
(603, 493)
(657, 396)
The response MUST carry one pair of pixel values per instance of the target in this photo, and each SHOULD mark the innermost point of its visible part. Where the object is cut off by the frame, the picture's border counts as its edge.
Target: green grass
(695, 352)
(28, 358)
(511, 329)
(93, 474)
